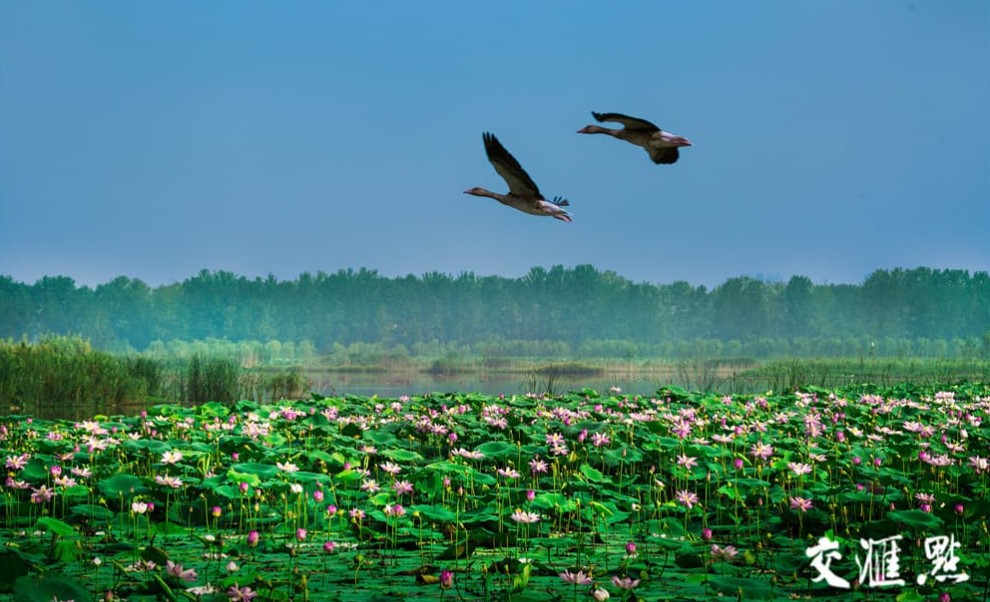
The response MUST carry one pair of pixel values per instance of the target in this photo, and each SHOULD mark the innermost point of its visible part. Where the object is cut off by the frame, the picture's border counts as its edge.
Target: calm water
(384, 385)
(393, 385)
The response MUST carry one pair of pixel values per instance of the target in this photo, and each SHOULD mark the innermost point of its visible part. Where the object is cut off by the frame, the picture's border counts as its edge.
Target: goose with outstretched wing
(523, 192)
(662, 146)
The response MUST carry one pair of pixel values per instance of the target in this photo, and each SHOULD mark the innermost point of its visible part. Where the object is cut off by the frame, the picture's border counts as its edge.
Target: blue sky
(153, 140)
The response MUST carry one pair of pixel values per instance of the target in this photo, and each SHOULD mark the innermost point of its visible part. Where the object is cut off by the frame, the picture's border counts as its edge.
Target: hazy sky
(153, 140)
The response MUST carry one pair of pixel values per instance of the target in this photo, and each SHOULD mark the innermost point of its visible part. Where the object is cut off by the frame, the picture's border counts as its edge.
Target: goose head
(477, 191)
(674, 140)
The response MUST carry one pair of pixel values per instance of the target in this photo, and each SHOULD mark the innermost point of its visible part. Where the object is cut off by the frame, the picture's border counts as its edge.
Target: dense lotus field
(867, 494)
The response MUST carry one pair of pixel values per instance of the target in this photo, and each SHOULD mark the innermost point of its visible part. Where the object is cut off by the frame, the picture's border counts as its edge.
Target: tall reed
(67, 369)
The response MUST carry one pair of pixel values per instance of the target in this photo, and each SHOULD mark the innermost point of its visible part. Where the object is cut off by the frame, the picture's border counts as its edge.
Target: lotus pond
(861, 493)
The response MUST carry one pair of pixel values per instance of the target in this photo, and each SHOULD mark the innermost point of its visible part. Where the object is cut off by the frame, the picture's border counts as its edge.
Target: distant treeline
(580, 311)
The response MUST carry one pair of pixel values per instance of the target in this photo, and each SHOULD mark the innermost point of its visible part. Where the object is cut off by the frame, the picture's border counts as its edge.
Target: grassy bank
(68, 370)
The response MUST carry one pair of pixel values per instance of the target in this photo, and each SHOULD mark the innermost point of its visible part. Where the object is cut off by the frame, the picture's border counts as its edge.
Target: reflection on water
(387, 385)
(384, 385)
(395, 385)
(73, 411)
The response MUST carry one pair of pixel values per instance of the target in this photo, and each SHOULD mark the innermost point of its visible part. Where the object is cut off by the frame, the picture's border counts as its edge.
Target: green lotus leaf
(262, 471)
(497, 449)
(92, 511)
(121, 485)
(53, 525)
(49, 587)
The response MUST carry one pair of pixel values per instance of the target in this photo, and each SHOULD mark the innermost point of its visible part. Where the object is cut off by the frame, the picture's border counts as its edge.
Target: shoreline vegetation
(69, 372)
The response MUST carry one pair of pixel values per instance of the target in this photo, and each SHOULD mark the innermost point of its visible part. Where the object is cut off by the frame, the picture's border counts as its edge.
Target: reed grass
(793, 374)
(67, 370)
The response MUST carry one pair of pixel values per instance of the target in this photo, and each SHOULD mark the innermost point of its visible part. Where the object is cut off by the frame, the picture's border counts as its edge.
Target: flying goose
(661, 145)
(523, 193)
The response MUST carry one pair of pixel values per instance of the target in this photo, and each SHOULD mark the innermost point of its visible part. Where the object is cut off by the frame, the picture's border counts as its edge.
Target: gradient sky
(153, 140)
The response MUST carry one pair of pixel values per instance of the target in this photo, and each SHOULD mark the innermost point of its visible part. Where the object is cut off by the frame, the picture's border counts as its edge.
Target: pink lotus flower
(625, 582)
(524, 517)
(978, 464)
(681, 428)
(17, 462)
(64, 481)
(508, 472)
(82, 473)
(241, 594)
(600, 439)
(578, 578)
(761, 450)
(168, 481)
(176, 570)
(726, 553)
(800, 503)
(396, 510)
(538, 466)
(687, 498)
(41, 495)
(470, 455)
(288, 467)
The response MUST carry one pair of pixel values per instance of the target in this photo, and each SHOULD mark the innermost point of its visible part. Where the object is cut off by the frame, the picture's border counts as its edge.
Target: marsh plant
(572, 496)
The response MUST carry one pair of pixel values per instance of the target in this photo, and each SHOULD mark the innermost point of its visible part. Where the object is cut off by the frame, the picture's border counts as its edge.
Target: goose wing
(665, 155)
(630, 123)
(506, 165)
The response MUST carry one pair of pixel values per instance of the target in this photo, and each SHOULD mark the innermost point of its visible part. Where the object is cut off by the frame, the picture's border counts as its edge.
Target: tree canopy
(574, 306)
